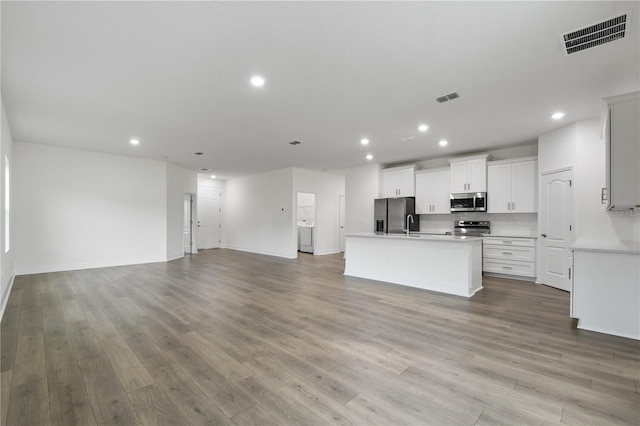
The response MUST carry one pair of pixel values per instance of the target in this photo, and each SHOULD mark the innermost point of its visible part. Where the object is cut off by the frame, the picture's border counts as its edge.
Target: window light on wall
(6, 204)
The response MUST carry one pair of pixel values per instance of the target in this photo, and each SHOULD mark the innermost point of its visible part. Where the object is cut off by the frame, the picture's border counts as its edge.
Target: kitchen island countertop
(417, 236)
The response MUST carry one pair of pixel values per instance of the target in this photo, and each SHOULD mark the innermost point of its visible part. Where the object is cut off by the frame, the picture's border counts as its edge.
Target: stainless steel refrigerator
(391, 215)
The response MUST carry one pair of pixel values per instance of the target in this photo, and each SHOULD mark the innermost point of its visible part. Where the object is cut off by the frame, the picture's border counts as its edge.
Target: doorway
(306, 216)
(187, 224)
(556, 228)
(341, 222)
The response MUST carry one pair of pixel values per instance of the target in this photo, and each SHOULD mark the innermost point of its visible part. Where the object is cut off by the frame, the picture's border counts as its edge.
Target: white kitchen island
(447, 264)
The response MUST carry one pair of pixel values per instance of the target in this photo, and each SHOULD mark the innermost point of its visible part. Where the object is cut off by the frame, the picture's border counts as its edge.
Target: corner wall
(6, 253)
(77, 209)
(259, 214)
(580, 146)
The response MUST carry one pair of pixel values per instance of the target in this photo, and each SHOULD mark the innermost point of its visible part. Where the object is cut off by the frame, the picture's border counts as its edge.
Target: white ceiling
(91, 75)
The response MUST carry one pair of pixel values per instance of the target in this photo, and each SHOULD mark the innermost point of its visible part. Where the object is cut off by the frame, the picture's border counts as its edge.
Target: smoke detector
(593, 35)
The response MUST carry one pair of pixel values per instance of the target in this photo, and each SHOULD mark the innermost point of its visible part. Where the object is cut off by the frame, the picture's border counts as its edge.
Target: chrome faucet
(409, 216)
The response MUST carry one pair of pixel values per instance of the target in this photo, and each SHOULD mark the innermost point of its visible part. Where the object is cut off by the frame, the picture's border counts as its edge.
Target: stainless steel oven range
(471, 228)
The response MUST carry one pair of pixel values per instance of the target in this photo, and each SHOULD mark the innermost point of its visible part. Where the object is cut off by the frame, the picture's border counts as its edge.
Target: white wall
(579, 145)
(362, 186)
(259, 214)
(77, 209)
(6, 265)
(179, 182)
(328, 188)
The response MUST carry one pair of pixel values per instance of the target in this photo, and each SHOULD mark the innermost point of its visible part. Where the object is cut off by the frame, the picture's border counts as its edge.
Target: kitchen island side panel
(446, 266)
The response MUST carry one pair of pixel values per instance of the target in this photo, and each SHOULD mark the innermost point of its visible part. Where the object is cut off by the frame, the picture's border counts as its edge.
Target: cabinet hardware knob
(543, 235)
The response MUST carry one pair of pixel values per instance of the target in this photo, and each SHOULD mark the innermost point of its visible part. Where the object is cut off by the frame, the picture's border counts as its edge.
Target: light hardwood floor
(225, 337)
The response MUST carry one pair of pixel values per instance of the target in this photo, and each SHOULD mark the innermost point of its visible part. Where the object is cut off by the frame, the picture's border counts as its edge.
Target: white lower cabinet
(509, 256)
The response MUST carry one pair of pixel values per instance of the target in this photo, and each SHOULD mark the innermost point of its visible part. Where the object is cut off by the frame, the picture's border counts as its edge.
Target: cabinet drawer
(521, 242)
(505, 252)
(525, 269)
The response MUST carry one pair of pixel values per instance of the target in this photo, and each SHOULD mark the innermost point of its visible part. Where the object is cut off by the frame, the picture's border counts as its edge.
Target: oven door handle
(475, 206)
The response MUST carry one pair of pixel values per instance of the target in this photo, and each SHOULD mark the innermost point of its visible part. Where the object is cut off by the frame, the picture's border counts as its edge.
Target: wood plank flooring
(226, 337)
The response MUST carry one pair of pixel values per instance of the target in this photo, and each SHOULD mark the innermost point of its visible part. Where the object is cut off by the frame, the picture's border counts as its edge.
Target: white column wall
(328, 188)
(77, 209)
(6, 265)
(179, 182)
(362, 186)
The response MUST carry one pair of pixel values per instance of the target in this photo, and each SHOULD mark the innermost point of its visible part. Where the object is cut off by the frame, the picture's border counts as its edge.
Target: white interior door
(556, 229)
(186, 227)
(209, 209)
(341, 221)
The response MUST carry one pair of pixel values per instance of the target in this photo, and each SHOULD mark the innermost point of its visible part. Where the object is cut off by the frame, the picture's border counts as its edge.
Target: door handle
(543, 235)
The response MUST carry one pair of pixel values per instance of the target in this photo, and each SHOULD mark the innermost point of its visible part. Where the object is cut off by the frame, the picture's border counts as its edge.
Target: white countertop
(628, 247)
(510, 235)
(418, 237)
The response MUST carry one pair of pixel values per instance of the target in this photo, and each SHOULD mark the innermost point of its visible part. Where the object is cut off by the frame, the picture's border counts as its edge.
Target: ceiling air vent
(602, 32)
(448, 97)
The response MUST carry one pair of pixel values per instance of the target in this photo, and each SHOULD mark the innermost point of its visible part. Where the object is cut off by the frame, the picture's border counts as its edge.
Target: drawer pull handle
(507, 242)
(506, 267)
(506, 252)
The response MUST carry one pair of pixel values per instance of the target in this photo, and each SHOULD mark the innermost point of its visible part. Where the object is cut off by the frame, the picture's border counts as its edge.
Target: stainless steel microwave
(469, 202)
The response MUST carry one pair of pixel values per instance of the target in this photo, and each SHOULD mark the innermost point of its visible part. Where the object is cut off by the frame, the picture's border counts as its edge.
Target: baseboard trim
(87, 265)
(246, 250)
(5, 297)
(324, 252)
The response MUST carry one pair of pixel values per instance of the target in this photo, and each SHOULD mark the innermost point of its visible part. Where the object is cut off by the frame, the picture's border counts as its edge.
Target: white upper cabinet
(623, 151)
(513, 186)
(469, 174)
(432, 191)
(398, 182)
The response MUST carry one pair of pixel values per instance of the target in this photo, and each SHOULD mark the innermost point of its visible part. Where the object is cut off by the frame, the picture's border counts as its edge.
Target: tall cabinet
(623, 152)
(469, 174)
(513, 186)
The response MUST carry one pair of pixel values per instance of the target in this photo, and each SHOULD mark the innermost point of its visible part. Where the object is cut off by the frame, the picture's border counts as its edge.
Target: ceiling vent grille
(602, 32)
(448, 97)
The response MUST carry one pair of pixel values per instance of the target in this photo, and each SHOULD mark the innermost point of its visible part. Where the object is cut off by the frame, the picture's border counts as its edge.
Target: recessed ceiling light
(257, 81)
(557, 115)
(204, 169)
(213, 176)
(364, 141)
(423, 127)
(443, 143)
(369, 157)
(134, 142)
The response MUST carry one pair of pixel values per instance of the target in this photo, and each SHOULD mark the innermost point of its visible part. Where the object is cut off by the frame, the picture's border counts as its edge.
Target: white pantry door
(556, 230)
(186, 223)
(209, 205)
